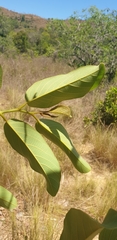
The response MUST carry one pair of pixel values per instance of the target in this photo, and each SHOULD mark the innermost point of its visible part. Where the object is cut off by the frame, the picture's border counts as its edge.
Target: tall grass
(104, 140)
(40, 216)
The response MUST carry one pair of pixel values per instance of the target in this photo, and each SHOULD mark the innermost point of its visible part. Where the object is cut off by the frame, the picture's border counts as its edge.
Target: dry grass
(104, 141)
(39, 216)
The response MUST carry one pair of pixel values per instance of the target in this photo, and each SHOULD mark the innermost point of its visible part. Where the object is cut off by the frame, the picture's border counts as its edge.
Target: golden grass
(40, 216)
(104, 141)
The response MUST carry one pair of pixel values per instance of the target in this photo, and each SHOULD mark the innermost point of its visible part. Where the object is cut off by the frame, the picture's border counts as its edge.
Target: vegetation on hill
(80, 42)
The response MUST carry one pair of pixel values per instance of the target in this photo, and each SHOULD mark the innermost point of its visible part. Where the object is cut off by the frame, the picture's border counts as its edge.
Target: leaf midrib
(35, 158)
(50, 90)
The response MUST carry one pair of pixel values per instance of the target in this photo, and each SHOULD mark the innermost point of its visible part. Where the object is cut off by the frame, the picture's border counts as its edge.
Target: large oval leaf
(7, 200)
(53, 90)
(30, 144)
(58, 135)
(110, 226)
(110, 221)
(79, 225)
(108, 234)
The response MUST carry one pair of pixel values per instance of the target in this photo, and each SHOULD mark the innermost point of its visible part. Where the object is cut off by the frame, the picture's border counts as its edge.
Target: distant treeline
(80, 41)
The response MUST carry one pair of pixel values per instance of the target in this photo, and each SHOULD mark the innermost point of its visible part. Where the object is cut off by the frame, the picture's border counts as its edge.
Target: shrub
(106, 111)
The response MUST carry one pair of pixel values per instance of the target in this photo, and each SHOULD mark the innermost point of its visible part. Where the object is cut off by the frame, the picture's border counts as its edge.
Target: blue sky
(60, 9)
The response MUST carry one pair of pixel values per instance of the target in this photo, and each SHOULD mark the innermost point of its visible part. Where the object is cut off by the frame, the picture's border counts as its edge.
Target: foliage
(4, 27)
(28, 141)
(105, 111)
(76, 220)
(7, 200)
(13, 27)
(87, 39)
(80, 40)
(21, 41)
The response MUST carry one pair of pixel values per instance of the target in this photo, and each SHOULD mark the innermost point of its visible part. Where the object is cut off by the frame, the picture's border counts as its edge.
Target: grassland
(40, 216)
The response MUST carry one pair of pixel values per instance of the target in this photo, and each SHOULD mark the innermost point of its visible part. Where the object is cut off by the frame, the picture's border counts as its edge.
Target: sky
(60, 9)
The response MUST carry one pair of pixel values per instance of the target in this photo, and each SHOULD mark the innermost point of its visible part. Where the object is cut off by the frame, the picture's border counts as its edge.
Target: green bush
(106, 111)
(21, 41)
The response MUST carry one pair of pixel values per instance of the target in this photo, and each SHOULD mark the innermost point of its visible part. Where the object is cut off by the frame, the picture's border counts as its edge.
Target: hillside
(34, 20)
(79, 43)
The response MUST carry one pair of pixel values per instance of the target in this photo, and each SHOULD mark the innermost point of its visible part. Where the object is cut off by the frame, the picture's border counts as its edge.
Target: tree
(22, 18)
(88, 39)
(21, 41)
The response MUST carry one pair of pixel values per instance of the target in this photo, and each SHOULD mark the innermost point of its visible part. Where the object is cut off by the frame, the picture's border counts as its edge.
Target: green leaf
(7, 200)
(108, 234)
(110, 226)
(58, 110)
(78, 225)
(55, 132)
(110, 220)
(30, 144)
(51, 91)
(1, 74)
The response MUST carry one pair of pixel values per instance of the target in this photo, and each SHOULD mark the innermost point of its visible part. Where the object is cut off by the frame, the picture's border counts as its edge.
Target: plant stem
(32, 114)
(23, 105)
(19, 110)
(3, 117)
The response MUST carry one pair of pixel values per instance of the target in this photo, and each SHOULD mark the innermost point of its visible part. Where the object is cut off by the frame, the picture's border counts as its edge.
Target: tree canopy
(79, 40)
